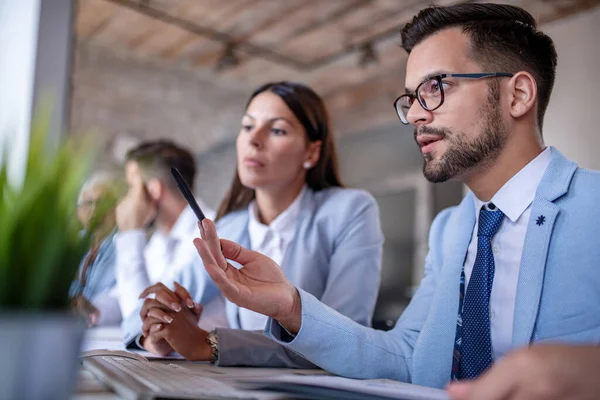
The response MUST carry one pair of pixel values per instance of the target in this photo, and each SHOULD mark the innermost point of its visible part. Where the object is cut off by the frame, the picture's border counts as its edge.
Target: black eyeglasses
(430, 92)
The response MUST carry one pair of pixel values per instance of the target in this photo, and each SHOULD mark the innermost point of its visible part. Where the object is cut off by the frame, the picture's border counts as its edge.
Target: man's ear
(524, 94)
(155, 189)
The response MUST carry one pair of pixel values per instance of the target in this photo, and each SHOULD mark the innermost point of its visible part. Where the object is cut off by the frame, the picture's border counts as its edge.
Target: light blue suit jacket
(558, 292)
(336, 251)
(100, 273)
(335, 256)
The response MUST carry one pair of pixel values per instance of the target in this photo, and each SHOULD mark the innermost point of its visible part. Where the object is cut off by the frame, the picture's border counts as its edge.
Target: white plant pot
(39, 354)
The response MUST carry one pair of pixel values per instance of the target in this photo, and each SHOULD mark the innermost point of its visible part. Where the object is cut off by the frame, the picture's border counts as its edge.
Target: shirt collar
(283, 225)
(518, 193)
(185, 224)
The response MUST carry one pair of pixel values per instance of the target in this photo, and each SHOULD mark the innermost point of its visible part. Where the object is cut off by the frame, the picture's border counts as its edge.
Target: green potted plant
(40, 249)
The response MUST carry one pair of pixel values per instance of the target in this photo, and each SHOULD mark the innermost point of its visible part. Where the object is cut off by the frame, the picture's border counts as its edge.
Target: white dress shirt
(272, 241)
(514, 200)
(141, 264)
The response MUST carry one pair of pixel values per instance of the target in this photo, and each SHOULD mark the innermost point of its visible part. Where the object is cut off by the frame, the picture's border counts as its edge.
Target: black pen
(187, 193)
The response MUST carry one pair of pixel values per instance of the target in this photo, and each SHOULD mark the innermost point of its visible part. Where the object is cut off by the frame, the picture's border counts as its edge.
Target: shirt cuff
(130, 242)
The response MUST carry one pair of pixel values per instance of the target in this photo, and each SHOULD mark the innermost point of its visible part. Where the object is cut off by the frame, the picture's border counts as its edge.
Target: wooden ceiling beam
(261, 51)
(211, 33)
(270, 21)
(341, 12)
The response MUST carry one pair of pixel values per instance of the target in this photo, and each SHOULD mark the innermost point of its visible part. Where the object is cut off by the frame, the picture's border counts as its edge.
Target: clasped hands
(170, 319)
(170, 323)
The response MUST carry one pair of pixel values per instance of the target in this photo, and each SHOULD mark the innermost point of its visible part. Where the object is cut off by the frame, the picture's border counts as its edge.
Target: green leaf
(40, 243)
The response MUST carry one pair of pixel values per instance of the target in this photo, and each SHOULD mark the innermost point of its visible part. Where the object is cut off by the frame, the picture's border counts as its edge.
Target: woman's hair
(103, 179)
(310, 110)
(112, 188)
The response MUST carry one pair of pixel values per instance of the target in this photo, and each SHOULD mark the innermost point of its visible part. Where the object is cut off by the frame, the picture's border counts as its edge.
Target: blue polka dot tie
(476, 346)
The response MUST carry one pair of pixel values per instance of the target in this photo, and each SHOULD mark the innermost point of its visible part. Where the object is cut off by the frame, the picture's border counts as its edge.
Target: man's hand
(545, 372)
(259, 286)
(136, 210)
(183, 335)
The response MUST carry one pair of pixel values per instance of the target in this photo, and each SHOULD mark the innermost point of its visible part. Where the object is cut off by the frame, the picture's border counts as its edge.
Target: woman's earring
(306, 164)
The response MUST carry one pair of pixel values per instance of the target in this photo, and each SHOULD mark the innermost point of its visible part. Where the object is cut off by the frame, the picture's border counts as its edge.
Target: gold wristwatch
(213, 342)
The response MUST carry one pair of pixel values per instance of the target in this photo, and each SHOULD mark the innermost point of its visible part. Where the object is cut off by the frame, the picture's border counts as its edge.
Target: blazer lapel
(554, 184)
(240, 235)
(432, 358)
(533, 266)
(296, 248)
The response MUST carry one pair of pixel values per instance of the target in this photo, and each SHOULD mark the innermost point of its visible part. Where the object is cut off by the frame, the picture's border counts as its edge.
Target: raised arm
(133, 214)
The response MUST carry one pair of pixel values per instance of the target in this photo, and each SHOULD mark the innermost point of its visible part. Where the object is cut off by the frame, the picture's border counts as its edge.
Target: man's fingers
(237, 253)
(223, 282)
(138, 181)
(204, 252)
(212, 240)
(498, 383)
(459, 390)
(184, 296)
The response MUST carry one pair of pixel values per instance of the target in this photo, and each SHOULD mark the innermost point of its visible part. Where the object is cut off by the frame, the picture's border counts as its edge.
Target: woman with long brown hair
(287, 202)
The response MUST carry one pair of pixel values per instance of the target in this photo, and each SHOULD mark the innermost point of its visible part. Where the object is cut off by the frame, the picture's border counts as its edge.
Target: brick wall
(117, 97)
(114, 94)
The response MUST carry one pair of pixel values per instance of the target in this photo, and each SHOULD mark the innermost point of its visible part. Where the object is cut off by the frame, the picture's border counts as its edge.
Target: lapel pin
(540, 220)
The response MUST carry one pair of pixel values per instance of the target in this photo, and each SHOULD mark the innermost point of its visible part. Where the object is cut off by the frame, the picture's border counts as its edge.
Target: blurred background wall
(572, 117)
(183, 69)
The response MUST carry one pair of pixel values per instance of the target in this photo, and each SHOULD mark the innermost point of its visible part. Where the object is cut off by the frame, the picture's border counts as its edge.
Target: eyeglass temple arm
(481, 75)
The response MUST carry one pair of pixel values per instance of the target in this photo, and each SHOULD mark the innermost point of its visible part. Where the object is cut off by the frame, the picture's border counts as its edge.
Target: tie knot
(489, 221)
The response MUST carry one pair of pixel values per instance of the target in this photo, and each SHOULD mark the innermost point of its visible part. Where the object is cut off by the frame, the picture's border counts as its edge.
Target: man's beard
(463, 155)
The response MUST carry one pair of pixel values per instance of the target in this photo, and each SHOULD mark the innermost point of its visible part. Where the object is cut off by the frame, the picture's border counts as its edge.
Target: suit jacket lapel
(304, 221)
(432, 358)
(533, 266)
(554, 184)
(240, 235)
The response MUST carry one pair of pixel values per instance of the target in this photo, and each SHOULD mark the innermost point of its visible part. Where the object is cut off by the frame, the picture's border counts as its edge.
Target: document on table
(338, 387)
(111, 338)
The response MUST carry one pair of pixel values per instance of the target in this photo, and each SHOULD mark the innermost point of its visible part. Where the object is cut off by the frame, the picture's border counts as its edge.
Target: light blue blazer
(100, 275)
(335, 256)
(558, 292)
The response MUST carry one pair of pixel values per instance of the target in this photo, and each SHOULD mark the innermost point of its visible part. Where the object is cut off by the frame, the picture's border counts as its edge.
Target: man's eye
(434, 86)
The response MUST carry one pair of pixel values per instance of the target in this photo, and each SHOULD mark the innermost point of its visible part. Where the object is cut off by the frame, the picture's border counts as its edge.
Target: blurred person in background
(154, 198)
(286, 201)
(91, 291)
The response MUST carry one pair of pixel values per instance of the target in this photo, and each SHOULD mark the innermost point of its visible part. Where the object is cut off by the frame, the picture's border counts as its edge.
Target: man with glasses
(515, 263)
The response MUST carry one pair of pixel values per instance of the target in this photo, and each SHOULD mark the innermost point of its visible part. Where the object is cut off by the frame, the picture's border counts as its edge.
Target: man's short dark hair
(504, 38)
(155, 159)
